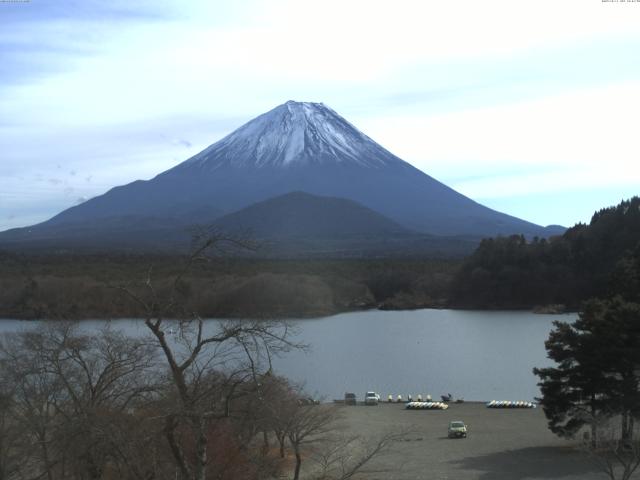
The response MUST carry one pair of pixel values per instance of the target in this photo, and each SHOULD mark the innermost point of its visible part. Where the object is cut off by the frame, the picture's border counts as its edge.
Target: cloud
(82, 11)
(492, 89)
(371, 41)
(39, 39)
(580, 130)
(106, 152)
(177, 141)
(527, 183)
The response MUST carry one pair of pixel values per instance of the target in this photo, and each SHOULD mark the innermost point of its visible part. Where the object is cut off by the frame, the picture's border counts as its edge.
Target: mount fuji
(296, 147)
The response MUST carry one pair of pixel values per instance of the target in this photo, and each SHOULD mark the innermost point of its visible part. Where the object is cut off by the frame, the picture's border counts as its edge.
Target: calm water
(471, 354)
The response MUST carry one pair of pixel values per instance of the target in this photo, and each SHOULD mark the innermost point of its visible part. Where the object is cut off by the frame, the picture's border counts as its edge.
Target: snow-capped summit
(294, 133)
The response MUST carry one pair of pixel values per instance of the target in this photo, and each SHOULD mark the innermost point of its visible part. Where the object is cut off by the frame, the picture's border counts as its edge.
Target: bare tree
(309, 424)
(33, 398)
(71, 393)
(314, 432)
(347, 457)
(10, 458)
(281, 401)
(616, 451)
(193, 349)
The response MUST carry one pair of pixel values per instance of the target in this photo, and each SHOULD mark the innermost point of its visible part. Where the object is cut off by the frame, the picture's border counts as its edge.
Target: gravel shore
(503, 444)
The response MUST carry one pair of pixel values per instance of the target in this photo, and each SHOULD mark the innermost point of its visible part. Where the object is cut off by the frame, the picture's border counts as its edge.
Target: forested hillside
(587, 261)
(60, 286)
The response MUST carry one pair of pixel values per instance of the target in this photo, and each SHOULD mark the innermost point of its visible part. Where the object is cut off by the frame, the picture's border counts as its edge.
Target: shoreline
(293, 316)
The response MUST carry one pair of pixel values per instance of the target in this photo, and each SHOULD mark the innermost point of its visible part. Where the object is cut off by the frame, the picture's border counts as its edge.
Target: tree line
(593, 389)
(586, 261)
(81, 286)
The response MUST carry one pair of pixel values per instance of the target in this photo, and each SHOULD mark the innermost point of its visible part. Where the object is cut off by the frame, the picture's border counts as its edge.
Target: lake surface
(478, 355)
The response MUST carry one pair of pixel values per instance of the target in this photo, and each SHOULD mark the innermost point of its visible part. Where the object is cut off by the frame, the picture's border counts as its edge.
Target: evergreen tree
(625, 280)
(598, 369)
(509, 272)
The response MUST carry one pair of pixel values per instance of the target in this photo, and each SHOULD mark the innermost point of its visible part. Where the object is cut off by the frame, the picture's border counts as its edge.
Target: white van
(371, 398)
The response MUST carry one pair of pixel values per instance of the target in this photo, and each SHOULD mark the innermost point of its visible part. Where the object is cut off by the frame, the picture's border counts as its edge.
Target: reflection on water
(477, 355)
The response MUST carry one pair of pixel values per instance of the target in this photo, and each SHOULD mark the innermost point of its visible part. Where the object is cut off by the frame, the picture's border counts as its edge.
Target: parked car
(457, 429)
(371, 398)
(350, 399)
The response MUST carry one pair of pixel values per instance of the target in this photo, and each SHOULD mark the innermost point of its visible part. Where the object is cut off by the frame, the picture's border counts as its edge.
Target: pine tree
(598, 369)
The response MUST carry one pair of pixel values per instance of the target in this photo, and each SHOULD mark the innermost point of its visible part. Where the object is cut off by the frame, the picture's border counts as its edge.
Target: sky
(530, 108)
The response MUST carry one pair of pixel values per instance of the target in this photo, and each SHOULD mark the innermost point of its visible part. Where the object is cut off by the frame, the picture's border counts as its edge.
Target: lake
(478, 355)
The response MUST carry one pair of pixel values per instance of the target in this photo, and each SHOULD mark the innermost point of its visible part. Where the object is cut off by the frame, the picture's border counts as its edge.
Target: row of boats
(491, 404)
(400, 399)
(426, 406)
(510, 404)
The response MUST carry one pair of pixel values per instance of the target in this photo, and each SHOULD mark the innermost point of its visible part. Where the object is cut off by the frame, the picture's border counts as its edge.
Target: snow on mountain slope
(293, 133)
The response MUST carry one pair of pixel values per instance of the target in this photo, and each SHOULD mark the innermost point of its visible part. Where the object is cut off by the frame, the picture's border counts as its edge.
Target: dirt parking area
(502, 444)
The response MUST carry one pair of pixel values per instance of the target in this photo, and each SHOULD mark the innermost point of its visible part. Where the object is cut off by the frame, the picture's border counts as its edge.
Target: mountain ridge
(301, 214)
(297, 146)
